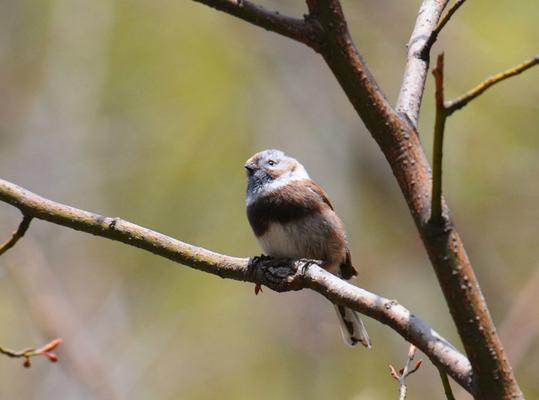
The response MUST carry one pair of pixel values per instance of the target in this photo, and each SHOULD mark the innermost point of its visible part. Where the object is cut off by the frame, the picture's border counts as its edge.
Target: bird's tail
(352, 328)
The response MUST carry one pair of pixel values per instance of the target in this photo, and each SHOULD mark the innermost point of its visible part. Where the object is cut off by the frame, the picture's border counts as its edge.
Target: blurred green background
(147, 110)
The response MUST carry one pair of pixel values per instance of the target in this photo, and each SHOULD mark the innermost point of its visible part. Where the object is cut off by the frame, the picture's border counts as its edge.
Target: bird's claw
(252, 263)
(306, 263)
(258, 288)
(256, 259)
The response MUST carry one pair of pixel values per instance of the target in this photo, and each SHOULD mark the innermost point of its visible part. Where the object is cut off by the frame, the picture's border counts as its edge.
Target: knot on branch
(279, 274)
(439, 227)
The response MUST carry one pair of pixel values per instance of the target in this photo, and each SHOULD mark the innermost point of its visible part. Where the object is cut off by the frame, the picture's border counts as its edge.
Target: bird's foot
(306, 263)
(252, 263)
(256, 259)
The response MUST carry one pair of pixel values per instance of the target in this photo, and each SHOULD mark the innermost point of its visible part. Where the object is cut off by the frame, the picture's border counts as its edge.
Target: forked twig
(446, 108)
(405, 371)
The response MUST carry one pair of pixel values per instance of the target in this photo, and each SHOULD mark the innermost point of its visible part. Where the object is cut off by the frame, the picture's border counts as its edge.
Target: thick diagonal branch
(280, 275)
(294, 28)
(399, 141)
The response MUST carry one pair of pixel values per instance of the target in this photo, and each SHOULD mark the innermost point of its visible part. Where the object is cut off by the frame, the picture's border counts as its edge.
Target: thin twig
(53, 314)
(46, 351)
(444, 110)
(457, 104)
(280, 275)
(19, 233)
(438, 143)
(447, 386)
(445, 19)
(405, 372)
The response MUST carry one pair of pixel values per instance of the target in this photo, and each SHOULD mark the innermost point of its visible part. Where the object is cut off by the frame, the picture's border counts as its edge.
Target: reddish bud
(417, 365)
(50, 346)
(52, 357)
(393, 372)
(27, 363)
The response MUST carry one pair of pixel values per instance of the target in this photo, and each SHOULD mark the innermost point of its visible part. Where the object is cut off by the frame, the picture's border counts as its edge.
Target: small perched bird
(292, 217)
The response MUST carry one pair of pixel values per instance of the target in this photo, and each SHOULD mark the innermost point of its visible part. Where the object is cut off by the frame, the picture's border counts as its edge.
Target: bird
(292, 217)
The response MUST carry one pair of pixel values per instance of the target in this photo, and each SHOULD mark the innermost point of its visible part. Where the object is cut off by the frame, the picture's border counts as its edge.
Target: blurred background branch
(82, 357)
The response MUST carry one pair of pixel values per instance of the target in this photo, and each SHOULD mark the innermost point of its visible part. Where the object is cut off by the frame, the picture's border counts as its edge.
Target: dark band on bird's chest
(280, 207)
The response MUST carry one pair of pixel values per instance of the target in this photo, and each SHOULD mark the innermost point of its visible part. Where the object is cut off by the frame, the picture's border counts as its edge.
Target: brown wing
(347, 269)
(320, 192)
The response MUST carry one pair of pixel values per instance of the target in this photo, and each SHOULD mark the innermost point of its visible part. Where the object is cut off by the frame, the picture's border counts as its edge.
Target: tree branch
(45, 351)
(19, 233)
(417, 62)
(434, 35)
(399, 141)
(444, 110)
(438, 143)
(279, 275)
(405, 371)
(459, 103)
(447, 386)
(301, 30)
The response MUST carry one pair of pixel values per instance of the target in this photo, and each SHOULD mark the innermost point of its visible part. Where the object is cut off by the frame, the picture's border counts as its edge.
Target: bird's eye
(271, 163)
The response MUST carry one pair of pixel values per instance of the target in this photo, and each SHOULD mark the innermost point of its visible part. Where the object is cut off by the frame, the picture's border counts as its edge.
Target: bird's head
(270, 169)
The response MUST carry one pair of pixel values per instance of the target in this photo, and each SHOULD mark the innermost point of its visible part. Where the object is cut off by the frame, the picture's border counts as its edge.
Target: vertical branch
(437, 152)
(417, 60)
(447, 386)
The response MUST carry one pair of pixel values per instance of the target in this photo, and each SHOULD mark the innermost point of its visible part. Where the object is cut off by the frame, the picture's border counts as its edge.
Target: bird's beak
(250, 167)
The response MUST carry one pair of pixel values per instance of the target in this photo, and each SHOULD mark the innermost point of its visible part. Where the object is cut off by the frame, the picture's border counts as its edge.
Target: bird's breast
(279, 241)
(305, 237)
